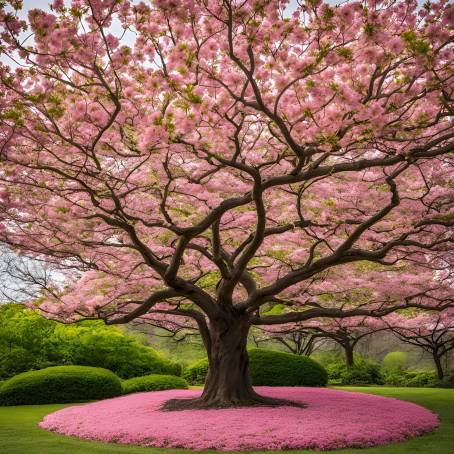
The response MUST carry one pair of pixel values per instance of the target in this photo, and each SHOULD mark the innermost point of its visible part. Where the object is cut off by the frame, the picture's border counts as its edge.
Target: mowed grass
(19, 433)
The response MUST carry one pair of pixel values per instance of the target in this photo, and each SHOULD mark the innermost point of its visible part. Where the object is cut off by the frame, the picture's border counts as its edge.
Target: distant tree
(294, 338)
(434, 333)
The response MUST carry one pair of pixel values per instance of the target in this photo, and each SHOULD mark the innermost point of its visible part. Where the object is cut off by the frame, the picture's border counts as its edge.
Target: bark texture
(227, 383)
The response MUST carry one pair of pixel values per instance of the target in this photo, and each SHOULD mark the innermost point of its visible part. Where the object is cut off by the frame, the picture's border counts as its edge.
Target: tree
(347, 332)
(233, 156)
(295, 338)
(433, 333)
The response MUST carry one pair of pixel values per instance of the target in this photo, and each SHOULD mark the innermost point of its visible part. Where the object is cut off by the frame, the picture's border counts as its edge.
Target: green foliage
(327, 357)
(100, 346)
(153, 383)
(415, 44)
(361, 373)
(29, 341)
(410, 378)
(60, 384)
(196, 372)
(447, 382)
(395, 362)
(23, 335)
(270, 368)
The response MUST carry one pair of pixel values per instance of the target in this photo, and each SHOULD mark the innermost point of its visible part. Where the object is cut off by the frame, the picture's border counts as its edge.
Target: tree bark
(438, 365)
(227, 383)
(349, 358)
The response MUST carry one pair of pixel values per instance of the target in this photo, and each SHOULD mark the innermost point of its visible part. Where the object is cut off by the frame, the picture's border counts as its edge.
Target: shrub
(447, 382)
(153, 383)
(395, 362)
(59, 385)
(421, 378)
(361, 373)
(270, 368)
(196, 372)
(29, 341)
(111, 349)
(410, 378)
(17, 360)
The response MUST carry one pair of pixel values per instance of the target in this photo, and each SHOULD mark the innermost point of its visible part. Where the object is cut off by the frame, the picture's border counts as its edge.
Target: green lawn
(19, 433)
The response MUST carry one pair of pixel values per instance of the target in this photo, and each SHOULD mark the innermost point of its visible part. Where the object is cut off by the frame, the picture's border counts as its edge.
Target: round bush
(59, 385)
(395, 362)
(153, 383)
(270, 368)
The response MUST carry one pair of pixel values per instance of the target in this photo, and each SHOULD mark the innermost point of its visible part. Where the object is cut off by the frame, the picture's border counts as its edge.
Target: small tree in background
(434, 333)
(295, 339)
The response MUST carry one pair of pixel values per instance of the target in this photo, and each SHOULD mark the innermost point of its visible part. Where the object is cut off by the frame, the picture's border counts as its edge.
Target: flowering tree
(434, 333)
(229, 159)
(295, 338)
(346, 332)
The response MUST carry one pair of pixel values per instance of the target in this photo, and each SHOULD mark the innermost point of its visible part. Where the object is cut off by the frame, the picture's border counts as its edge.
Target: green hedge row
(63, 384)
(270, 368)
(153, 383)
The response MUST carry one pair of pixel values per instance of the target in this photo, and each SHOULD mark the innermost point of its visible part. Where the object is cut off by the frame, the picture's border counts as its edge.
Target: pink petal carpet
(332, 419)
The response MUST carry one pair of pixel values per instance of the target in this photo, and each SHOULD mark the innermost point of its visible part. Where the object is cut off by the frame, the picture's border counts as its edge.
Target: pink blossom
(395, 45)
(448, 16)
(332, 419)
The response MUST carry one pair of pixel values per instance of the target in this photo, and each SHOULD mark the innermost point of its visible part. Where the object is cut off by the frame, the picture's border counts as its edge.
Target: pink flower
(347, 14)
(331, 420)
(448, 16)
(395, 45)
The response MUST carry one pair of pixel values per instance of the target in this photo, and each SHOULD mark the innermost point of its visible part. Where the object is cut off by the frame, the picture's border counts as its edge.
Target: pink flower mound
(332, 419)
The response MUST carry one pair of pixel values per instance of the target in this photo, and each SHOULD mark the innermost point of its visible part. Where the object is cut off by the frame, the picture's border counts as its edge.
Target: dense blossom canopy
(231, 157)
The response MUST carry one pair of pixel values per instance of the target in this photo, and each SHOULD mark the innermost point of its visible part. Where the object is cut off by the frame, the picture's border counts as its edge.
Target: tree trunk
(227, 383)
(437, 361)
(349, 359)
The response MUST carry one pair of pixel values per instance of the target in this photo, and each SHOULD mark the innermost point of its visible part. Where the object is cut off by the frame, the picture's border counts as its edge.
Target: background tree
(295, 338)
(434, 333)
(347, 332)
(226, 161)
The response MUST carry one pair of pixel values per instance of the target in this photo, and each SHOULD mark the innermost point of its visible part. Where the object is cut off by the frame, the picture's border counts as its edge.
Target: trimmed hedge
(153, 383)
(60, 384)
(270, 368)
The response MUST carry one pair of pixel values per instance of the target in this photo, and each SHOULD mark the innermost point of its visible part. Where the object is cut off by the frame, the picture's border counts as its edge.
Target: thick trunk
(437, 361)
(227, 383)
(228, 380)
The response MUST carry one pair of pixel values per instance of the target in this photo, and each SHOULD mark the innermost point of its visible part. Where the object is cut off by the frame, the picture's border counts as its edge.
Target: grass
(19, 433)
